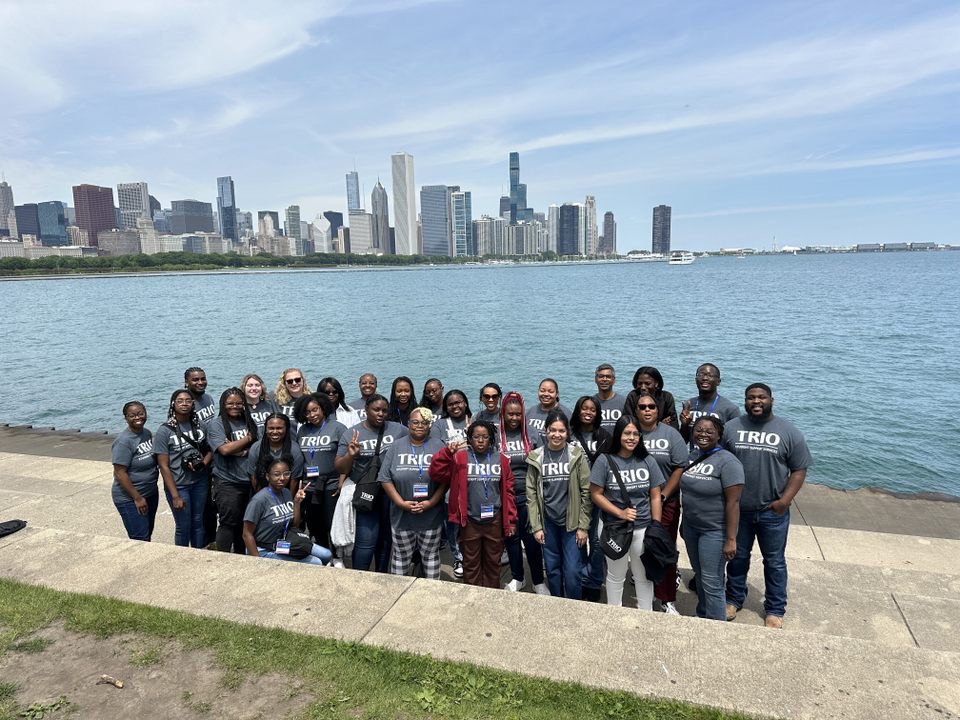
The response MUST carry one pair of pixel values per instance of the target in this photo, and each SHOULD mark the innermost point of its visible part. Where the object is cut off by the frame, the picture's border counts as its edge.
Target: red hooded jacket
(451, 468)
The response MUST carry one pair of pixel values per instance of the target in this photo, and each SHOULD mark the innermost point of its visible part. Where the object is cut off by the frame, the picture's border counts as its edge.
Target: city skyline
(751, 121)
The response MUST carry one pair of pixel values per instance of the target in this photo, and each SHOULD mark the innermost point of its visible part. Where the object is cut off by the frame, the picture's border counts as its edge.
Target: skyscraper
(95, 210)
(404, 203)
(268, 223)
(435, 221)
(461, 221)
(188, 216)
(505, 207)
(28, 220)
(553, 227)
(133, 200)
(518, 192)
(6, 207)
(361, 232)
(590, 219)
(490, 235)
(661, 229)
(381, 218)
(609, 234)
(568, 229)
(53, 223)
(227, 209)
(291, 227)
(336, 222)
(353, 191)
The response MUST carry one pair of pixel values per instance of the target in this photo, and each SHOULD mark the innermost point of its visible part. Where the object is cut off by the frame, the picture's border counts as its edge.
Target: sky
(795, 123)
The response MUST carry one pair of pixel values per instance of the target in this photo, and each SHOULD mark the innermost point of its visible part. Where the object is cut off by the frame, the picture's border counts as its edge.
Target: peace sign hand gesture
(353, 448)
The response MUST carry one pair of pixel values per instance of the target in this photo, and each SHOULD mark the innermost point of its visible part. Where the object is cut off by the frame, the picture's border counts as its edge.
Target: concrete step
(790, 674)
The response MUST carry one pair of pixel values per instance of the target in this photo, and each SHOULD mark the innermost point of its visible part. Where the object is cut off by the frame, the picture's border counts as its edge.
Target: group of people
(574, 496)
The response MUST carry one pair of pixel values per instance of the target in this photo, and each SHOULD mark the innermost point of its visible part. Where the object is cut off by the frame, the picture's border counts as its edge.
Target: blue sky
(811, 122)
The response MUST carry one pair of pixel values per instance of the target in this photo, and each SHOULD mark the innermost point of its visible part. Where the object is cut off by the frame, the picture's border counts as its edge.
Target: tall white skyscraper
(553, 227)
(590, 210)
(6, 205)
(404, 204)
(361, 232)
(133, 201)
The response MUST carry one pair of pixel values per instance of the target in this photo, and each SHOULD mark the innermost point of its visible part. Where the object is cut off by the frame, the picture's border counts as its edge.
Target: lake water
(860, 349)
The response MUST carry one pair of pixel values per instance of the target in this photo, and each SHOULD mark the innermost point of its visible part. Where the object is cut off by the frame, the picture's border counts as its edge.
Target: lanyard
(279, 505)
(419, 459)
(710, 411)
(313, 451)
(484, 477)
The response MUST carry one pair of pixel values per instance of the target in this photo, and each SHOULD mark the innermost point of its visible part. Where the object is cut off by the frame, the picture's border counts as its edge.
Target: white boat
(681, 257)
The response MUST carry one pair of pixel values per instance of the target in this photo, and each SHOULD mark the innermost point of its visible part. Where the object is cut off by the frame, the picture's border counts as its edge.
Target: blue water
(860, 349)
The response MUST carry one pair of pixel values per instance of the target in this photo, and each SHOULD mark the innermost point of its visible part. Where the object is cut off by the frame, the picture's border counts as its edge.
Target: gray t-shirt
(360, 405)
(167, 442)
(667, 446)
(769, 452)
(270, 512)
(260, 413)
(229, 468)
(555, 476)
(135, 452)
(205, 407)
(610, 411)
(296, 472)
(518, 463)
(719, 407)
(483, 486)
(536, 416)
(368, 443)
(319, 448)
(408, 468)
(447, 429)
(638, 476)
(701, 489)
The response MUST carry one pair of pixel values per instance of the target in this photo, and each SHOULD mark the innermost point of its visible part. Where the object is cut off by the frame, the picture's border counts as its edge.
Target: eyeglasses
(417, 423)
(282, 475)
(136, 416)
(646, 407)
(294, 381)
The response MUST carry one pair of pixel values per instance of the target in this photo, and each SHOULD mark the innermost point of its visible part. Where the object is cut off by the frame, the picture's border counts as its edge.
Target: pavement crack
(813, 531)
(387, 611)
(905, 621)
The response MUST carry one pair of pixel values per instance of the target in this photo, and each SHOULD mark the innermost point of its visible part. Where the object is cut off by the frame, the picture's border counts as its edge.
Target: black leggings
(231, 500)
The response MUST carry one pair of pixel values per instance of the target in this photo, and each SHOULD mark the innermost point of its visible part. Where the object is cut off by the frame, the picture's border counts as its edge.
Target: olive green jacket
(579, 504)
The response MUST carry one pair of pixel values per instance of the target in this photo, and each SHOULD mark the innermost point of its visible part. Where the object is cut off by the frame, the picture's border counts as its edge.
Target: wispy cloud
(821, 205)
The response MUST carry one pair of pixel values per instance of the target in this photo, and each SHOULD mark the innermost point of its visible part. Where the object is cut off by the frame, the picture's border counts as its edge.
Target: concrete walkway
(872, 630)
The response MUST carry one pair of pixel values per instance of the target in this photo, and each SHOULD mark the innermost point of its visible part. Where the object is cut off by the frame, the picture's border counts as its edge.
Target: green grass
(31, 645)
(345, 680)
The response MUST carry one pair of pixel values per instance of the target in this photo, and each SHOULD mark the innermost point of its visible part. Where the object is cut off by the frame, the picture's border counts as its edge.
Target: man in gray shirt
(775, 459)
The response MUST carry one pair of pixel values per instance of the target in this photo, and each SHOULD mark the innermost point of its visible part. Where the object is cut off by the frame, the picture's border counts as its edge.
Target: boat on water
(681, 257)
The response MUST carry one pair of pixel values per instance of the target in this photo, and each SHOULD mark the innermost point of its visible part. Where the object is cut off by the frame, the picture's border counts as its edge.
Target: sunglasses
(646, 407)
(489, 397)
(293, 381)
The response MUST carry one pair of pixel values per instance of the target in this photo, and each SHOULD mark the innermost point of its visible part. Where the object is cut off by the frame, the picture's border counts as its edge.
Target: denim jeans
(318, 556)
(515, 551)
(138, 527)
(593, 571)
(563, 560)
(770, 531)
(373, 538)
(189, 520)
(705, 550)
(451, 532)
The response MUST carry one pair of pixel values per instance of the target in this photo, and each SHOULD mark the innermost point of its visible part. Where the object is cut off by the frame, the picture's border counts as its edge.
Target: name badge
(486, 512)
(313, 472)
(283, 547)
(421, 490)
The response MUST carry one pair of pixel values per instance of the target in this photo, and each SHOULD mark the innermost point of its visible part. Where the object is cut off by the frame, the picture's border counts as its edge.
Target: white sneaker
(541, 589)
(337, 563)
(513, 586)
(670, 609)
(504, 558)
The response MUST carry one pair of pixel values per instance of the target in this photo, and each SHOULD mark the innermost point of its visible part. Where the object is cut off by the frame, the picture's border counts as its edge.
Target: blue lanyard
(710, 411)
(484, 478)
(313, 451)
(279, 504)
(419, 459)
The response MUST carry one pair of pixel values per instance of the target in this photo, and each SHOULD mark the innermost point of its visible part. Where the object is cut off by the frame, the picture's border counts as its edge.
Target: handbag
(368, 488)
(299, 543)
(617, 535)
